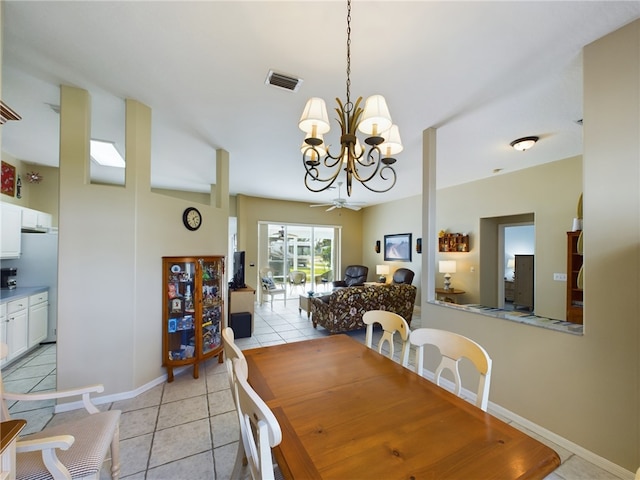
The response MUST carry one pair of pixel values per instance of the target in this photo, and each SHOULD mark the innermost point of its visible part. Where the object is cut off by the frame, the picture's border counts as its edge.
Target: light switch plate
(560, 277)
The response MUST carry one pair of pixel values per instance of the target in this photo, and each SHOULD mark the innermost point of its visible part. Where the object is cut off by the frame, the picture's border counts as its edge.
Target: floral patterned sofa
(342, 310)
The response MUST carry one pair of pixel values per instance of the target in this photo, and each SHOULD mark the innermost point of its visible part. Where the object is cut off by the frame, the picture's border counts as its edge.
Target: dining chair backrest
(453, 347)
(231, 351)
(259, 428)
(391, 323)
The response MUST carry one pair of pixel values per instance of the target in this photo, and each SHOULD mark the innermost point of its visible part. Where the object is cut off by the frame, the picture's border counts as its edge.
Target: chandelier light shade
(525, 143)
(370, 164)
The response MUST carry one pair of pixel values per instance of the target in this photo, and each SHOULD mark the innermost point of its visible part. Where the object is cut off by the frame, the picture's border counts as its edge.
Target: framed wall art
(397, 247)
(8, 179)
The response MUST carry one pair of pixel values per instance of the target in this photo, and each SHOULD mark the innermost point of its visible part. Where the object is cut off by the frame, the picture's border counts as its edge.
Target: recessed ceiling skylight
(105, 153)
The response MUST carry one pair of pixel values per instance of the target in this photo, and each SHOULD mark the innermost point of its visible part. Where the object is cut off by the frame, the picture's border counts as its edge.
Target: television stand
(242, 300)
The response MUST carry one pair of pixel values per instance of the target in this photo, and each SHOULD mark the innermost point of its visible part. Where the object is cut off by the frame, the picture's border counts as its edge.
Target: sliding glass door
(309, 251)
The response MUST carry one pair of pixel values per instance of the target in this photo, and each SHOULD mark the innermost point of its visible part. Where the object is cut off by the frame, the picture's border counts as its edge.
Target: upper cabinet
(35, 221)
(17, 219)
(10, 232)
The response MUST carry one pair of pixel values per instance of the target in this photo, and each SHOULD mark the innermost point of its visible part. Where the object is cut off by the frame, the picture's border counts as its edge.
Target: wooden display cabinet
(453, 242)
(575, 299)
(193, 311)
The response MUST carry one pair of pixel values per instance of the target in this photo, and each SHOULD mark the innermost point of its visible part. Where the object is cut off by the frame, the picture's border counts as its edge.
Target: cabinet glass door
(181, 314)
(211, 272)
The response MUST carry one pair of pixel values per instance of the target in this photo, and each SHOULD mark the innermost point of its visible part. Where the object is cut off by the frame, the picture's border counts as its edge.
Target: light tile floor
(187, 429)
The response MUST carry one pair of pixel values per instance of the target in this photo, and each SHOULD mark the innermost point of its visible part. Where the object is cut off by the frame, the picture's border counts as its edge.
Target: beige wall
(584, 388)
(251, 210)
(400, 216)
(111, 242)
(550, 191)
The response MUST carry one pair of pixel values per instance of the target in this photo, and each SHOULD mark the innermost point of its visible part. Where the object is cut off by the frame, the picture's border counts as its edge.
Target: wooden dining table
(347, 413)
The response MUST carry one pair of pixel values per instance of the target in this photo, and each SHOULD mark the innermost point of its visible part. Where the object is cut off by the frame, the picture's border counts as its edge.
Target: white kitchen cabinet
(17, 327)
(34, 220)
(10, 231)
(38, 318)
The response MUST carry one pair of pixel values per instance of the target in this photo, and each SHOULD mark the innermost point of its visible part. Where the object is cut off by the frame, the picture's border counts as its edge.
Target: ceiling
(483, 73)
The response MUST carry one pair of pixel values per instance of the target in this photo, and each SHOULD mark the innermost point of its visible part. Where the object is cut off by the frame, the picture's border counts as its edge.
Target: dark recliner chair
(403, 275)
(353, 275)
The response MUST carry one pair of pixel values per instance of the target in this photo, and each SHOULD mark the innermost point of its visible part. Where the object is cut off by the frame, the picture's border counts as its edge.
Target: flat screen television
(238, 270)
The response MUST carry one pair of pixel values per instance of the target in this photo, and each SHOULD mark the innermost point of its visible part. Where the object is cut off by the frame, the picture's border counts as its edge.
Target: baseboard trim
(101, 400)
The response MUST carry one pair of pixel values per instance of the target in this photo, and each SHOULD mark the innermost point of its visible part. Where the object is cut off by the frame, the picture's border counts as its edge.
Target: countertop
(6, 295)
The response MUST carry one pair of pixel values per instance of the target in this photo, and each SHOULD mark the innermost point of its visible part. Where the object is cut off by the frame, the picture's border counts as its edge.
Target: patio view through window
(300, 248)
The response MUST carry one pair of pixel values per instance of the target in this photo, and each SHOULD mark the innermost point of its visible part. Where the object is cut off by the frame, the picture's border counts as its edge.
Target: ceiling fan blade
(352, 207)
(322, 205)
(331, 208)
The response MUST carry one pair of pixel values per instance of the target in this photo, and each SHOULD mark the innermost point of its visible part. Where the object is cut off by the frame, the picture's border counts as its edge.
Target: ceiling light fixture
(374, 121)
(106, 154)
(524, 143)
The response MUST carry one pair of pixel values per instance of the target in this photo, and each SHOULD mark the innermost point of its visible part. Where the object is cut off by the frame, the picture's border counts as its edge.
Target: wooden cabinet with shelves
(574, 294)
(193, 311)
(453, 242)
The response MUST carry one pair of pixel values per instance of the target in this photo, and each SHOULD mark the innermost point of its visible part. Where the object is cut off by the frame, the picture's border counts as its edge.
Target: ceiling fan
(340, 202)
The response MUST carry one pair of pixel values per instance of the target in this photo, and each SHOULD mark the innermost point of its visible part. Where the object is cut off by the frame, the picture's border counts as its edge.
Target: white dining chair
(232, 352)
(72, 450)
(391, 323)
(453, 347)
(259, 428)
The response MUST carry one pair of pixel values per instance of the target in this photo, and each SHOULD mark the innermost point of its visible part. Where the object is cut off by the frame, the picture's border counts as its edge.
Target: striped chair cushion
(93, 435)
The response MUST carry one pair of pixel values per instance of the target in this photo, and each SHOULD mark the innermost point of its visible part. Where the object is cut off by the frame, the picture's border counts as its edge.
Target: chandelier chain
(348, 105)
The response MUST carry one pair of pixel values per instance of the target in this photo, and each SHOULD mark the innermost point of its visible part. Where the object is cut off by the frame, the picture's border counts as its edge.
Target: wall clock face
(192, 218)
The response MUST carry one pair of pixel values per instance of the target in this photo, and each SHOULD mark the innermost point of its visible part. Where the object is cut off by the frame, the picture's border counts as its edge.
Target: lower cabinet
(38, 317)
(17, 327)
(24, 323)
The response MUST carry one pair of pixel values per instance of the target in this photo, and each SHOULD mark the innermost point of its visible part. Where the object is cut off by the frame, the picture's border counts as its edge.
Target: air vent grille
(281, 80)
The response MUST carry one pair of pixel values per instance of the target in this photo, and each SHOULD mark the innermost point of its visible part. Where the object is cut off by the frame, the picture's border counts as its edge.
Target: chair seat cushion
(268, 282)
(93, 435)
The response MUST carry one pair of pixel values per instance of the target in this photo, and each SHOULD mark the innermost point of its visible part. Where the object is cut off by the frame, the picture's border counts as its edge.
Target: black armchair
(353, 275)
(403, 275)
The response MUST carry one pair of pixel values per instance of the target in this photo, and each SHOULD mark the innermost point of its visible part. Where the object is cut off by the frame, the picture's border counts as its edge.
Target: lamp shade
(447, 266)
(392, 143)
(376, 117)
(314, 119)
(382, 269)
(511, 263)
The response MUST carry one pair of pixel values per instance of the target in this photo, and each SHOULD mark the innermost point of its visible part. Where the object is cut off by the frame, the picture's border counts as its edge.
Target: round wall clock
(192, 218)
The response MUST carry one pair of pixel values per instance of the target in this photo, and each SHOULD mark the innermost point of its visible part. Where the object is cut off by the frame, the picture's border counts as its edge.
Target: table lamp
(382, 270)
(447, 267)
(511, 265)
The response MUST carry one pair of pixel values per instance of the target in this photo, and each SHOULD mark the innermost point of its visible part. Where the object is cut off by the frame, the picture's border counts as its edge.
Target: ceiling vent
(281, 80)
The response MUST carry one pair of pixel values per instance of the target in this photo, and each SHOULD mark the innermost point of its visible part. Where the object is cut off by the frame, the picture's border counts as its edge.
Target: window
(308, 248)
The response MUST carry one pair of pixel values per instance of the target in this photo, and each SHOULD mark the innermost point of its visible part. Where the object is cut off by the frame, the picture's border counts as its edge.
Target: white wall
(111, 243)
(584, 388)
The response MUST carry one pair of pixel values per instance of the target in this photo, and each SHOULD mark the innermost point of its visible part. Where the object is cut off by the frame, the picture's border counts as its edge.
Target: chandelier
(382, 138)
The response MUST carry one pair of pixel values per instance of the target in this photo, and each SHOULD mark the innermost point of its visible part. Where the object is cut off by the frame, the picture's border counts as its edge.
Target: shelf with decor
(193, 311)
(575, 296)
(453, 242)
